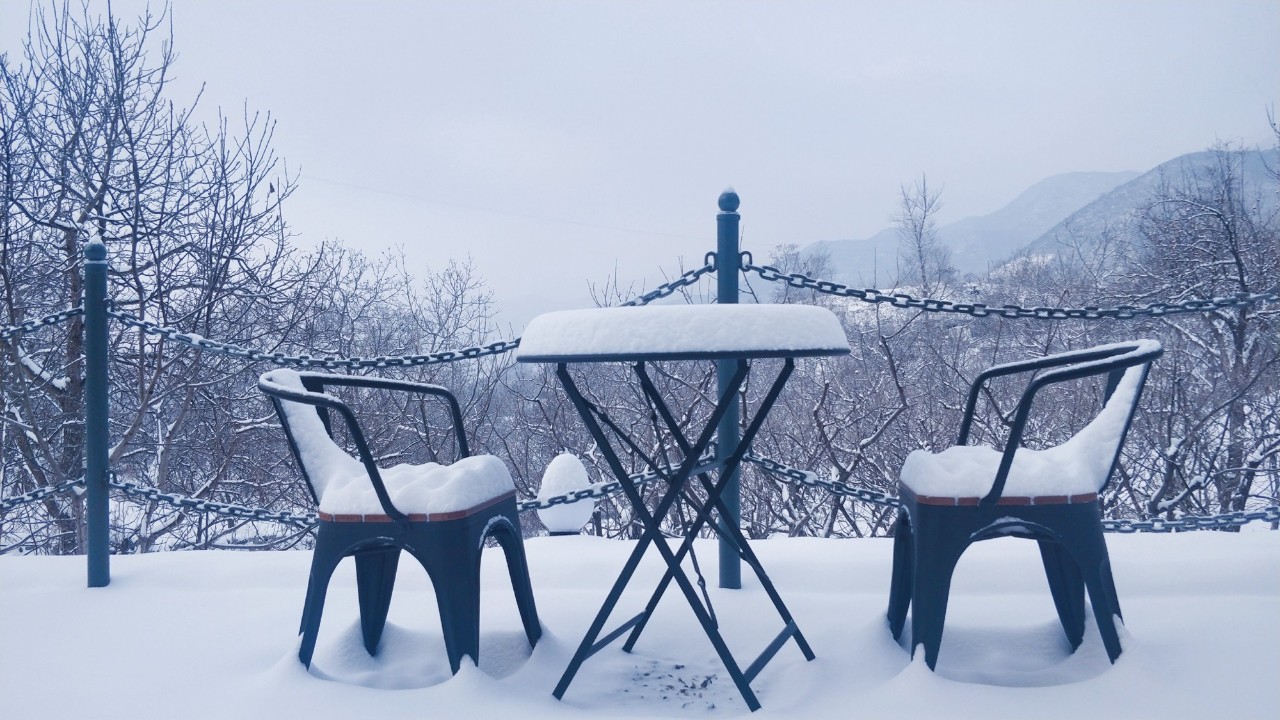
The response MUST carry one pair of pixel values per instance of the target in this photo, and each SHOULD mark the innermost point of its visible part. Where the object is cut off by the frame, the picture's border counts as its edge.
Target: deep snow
(212, 635)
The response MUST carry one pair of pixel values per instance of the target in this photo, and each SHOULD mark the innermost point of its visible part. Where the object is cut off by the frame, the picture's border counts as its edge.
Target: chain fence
(300, 520)
(907, 301)
(309, 361)
(1235, 518)
(669, 288)
(601, 490)
(307, 520)
(811, 479)
(26, 326)
(303, 521)
(686, 279)
(9, 503)
(359, 363)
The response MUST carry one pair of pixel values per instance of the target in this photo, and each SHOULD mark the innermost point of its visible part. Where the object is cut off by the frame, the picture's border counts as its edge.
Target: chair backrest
(1099, 442)
(300, 410)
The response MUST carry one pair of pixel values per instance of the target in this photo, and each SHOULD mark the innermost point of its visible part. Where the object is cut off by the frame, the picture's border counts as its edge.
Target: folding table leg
(691, 454)
(652, 534)
(714, 493)
(589, 646)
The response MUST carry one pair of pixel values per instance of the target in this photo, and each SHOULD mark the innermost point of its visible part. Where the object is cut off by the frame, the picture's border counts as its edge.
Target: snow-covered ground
(212, 635)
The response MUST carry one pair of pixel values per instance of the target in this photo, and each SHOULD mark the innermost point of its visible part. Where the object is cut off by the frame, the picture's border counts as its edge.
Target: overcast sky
(551, 141)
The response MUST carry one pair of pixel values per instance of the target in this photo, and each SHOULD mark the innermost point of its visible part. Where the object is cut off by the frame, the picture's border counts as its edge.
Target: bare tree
(924, 260)
(93, 147)
(1210, 233)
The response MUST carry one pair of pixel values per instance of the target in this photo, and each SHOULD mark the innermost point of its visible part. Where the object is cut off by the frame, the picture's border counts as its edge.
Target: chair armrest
(1104, 359)
(318, 381)
(1057, 360)
(319, 399)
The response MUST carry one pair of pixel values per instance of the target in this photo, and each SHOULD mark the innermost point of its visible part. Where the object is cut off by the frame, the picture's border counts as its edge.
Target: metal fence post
(95, 413)
(728, 433)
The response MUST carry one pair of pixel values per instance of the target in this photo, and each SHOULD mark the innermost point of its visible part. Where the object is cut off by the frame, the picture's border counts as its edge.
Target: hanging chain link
(308, 361)
(904, 300)
(810, 479)
(669, 288)
(598, 490)
(226, 509)
(1235, 518)
(27, 326)
(306, 520)
(356, 363)
(76, 486)
(1125, 526)
(788, 474)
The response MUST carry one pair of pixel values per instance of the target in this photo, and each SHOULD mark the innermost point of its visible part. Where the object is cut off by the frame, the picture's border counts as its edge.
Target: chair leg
(1067, 587)
(903, 579)
(1105, 605)
(457, 585)
(1089, 548)
(1109, 585)
(518, 568)
(375, 578)
(929, 594)
(323, 563)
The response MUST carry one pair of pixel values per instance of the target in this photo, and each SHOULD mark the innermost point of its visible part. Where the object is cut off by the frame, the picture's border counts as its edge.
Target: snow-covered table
(639, 335)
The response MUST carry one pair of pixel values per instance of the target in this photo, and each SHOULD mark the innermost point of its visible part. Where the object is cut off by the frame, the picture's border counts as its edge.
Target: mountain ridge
(977, 241)
(1116, 206)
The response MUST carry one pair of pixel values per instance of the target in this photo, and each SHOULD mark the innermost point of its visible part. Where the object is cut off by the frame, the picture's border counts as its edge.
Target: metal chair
(966, 494)
(440, 515)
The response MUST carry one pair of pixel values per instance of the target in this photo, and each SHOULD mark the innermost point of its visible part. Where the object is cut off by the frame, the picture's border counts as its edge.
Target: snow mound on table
(675, 329)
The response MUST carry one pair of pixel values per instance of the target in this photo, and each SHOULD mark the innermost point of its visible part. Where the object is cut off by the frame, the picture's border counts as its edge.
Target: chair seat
(415, 517)
(426, 492)
(1005, 500)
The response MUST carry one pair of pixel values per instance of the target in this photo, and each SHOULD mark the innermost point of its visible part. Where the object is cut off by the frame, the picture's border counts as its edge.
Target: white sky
(552, 141)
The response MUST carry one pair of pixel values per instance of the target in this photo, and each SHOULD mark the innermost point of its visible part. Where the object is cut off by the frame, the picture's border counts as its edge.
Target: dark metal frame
(690, 466)
(449, 549)
(932, 533)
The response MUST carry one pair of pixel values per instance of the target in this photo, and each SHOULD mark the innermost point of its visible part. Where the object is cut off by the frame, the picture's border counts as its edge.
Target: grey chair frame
(930, 533)
(447, 545)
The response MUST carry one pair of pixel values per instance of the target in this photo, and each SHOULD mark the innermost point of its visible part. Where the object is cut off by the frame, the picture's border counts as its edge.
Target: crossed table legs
(691, 465)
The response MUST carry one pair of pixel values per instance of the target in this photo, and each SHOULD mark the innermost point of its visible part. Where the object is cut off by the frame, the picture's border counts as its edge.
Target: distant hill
(861, 262)
(1114, 208)
(976, 242)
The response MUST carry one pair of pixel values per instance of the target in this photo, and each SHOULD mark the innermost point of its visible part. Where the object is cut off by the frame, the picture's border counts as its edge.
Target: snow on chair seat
(426, 492)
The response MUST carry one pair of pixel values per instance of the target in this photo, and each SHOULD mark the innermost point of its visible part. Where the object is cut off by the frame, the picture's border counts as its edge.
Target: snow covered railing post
(97, 539)
(728, 266)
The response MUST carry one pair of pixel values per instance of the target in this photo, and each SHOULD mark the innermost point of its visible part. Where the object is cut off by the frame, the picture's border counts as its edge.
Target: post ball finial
(95, 250)
(729, 200)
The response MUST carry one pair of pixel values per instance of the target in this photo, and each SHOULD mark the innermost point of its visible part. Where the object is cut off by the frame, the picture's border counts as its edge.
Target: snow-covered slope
(1114, 209)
